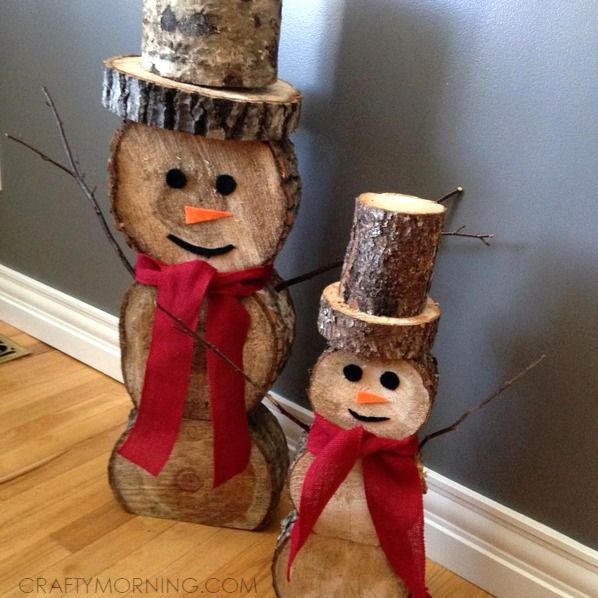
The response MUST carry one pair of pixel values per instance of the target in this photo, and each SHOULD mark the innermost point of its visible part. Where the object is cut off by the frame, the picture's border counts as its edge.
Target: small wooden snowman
(205, 187)
(357, 528)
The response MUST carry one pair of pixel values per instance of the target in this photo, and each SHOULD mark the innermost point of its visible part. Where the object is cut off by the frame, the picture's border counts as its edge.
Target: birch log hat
(381, 307)
(208, 67)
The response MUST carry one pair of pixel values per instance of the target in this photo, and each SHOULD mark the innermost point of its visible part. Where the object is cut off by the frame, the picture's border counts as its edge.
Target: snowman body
(376, 382)
(178, 198)
(350, 389)
(205, 187)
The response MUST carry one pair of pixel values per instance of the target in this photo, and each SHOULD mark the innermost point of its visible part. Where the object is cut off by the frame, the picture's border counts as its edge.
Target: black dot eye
(353, 372)
(176, 178)
(390, 380)
(225, 184)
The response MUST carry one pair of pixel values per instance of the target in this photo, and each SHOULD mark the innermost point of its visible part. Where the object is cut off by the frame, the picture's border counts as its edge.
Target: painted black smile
(366, 418)
(203, 251)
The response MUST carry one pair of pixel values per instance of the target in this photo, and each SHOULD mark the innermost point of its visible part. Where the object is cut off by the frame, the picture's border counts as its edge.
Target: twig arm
(497, 393)
(40, 154)
(79, 177)
(483, 237)
(450, 195)
(285, 284)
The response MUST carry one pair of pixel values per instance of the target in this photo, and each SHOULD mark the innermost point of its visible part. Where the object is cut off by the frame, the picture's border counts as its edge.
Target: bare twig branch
(450, 195)
(285, 284)
(40, 154)
(484, 237)
(287, 414)
(76, 173)
(495, 395)
(80, 179)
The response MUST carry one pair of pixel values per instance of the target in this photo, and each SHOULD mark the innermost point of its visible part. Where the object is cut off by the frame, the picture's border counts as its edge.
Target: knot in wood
(188, 481)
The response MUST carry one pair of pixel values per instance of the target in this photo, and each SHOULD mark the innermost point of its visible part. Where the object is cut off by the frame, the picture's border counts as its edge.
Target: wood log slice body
(220, 43)
(265, 352)
(149, 210)
(350, 330)
(135, 94)
(390, 258)
(406, 407)
(335, 568)
(346, 516)
(183, 490)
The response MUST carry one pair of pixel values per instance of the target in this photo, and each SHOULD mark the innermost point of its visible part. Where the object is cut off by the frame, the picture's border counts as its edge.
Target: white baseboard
(506, 553)
(72, 326)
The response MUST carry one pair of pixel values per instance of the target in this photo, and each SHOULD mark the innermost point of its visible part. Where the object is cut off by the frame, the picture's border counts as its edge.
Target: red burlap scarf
(393, 490)
(182, 289)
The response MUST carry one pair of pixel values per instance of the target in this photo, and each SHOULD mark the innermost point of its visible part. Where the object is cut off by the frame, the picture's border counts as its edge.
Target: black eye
(390, 380)
(176, 178)
(353, 372)
(225, 184)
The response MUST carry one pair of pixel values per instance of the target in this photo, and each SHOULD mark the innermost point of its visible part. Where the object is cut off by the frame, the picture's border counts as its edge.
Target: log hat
(208, 67)
(381, 307)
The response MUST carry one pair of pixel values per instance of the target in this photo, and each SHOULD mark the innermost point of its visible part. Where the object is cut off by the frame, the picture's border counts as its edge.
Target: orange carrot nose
(369, 398)
(194, 215)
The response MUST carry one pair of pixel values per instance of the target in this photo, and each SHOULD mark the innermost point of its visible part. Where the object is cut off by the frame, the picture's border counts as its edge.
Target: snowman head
(181, 197)
(390, 398)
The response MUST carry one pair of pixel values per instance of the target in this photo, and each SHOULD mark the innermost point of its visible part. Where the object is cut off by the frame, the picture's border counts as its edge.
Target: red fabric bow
(182, 289)
(393, 490)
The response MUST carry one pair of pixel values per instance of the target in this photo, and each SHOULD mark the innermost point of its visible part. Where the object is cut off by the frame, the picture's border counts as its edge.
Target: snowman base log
(334, 568)
(390, 258)
(347, 329)
(183, 490)
(217, 43)
(135, 94)
(266, 348)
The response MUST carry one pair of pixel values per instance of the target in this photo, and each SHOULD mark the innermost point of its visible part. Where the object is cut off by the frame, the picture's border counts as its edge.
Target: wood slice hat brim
(268, 114)
(348, 329)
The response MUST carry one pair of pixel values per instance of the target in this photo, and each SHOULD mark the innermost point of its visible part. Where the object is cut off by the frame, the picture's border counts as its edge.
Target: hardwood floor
(59, 420)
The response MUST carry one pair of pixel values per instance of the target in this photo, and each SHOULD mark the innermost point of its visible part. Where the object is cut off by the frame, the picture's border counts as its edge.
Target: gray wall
(416, 96)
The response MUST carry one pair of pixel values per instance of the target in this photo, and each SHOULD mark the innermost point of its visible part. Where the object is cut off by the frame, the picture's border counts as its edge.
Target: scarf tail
(180, 291)
(227, 321)
(399, 523)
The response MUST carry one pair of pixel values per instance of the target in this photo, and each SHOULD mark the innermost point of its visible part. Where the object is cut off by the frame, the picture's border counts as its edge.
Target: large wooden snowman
(205, 187)
(357, 528)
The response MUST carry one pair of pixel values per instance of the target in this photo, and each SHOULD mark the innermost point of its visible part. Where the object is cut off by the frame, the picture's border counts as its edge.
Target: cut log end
(404, 408)
(404, 204)
(183, 490)
(149, 209)
(266, 348)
